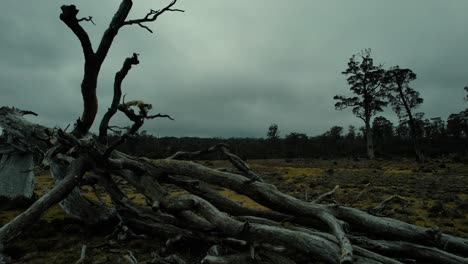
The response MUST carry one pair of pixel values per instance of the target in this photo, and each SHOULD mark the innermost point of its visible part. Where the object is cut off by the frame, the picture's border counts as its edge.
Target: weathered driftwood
(289, 230)
(171, 217)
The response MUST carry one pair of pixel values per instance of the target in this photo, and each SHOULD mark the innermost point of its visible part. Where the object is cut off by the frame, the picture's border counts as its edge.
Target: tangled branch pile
(292, 231)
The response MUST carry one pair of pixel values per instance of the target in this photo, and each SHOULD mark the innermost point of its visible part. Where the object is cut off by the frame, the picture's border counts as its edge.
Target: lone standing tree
(404, 101)
(330, 233)
(366, 81)
(273, 132)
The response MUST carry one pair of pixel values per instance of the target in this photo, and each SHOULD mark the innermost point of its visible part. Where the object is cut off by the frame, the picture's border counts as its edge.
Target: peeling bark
(17, 175)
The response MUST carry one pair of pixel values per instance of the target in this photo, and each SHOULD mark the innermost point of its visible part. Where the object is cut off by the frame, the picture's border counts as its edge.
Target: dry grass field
(436, 194)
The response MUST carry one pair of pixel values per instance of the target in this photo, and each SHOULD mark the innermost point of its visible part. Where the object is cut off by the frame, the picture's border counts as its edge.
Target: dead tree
(330, 233)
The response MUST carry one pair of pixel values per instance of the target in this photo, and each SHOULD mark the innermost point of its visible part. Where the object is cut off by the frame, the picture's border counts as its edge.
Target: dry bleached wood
(287, 230)
(267, 195)
(378, 210)
(310, 245)
(140, 171)
(326, 195)
(224, 149)
(387, 227)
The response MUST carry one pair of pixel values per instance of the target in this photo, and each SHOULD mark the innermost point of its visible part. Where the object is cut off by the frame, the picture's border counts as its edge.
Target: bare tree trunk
(415, 139)
(369, 141)
(414, 134)
(88, 91)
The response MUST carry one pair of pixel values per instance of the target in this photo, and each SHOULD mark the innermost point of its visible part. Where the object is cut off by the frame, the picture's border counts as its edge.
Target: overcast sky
(231, 68)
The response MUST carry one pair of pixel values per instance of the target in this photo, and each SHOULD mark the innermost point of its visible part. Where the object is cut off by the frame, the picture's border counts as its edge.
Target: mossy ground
(437, 195)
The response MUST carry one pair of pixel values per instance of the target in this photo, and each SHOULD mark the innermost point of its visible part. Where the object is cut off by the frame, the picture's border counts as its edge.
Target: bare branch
(130, 258)
(119, 77)
(326, 195)
(90, 19)
(137, 119)
(68, 16)
(117, 129)
(160, 116)
(145, 27)
(152, 15)
(358, 197)
(326, 250)
(82, 255)
(378, 210)
(223, 148)
(26, 112)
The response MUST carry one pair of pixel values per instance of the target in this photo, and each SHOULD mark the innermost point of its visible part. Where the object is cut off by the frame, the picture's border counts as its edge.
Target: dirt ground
(436, 194)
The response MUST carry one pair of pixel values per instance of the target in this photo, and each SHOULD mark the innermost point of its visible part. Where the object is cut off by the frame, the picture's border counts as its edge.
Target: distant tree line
(372, 89)
(437, 137)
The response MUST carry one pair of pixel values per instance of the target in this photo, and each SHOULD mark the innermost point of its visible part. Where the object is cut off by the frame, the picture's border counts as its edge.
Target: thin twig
(326, 195)
(82, 255)
(152, 15)
(89, 18)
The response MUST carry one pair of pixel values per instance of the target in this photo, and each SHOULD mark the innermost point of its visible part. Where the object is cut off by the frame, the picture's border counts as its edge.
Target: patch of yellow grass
(296, 171)
(398, 171)
(43, 183)
(246, 201)
(353, 169)
(55, 212)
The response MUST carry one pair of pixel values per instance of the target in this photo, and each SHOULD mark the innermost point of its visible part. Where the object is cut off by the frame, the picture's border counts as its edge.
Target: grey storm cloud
(231, 68)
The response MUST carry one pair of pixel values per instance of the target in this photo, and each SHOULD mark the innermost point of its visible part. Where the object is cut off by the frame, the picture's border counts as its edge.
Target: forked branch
(137, 119)
(68, 16)
(152, 15)
(119, 77)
